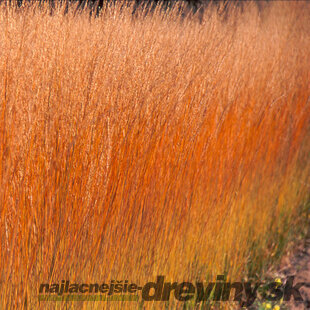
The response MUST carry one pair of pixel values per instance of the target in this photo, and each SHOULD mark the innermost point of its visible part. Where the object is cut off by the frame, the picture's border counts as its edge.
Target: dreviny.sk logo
(245, 293)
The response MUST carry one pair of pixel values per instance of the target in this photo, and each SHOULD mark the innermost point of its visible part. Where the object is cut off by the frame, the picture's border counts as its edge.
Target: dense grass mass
(137, 146)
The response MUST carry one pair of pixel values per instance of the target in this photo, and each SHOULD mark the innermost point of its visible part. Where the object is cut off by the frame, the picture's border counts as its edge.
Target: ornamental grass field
(153, 144)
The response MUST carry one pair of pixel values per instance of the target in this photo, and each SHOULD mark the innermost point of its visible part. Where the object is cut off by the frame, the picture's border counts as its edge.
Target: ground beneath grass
(297, 263)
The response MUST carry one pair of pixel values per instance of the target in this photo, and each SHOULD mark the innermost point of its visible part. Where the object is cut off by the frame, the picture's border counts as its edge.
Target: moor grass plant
(153, 144)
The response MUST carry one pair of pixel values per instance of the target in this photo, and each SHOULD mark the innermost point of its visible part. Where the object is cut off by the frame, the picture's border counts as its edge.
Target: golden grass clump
(137, 146)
